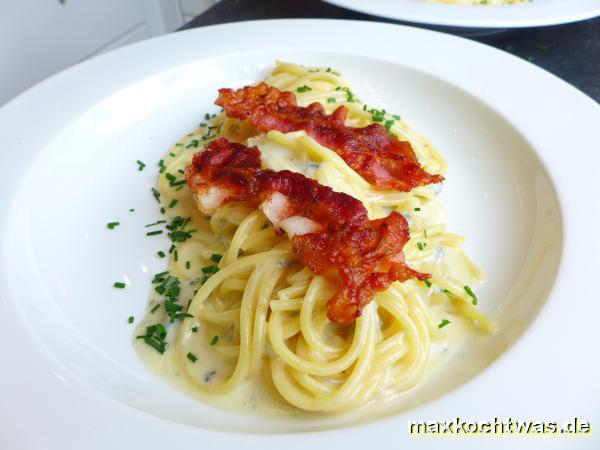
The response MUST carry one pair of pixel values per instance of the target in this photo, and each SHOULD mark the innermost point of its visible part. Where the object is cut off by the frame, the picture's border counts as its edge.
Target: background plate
(535, 13)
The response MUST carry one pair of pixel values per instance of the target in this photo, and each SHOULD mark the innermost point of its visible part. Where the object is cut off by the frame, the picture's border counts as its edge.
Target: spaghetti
(239, 306)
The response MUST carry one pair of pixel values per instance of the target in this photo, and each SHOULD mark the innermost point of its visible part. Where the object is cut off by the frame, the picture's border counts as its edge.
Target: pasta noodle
(256, 313)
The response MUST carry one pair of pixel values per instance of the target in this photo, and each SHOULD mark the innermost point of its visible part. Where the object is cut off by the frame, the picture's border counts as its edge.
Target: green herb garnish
(155, 337)
(443, 323)
(155, 223)
(156, 195)
(471, 294)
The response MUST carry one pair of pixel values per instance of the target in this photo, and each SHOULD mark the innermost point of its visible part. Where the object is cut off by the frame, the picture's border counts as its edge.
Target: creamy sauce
(256, 396)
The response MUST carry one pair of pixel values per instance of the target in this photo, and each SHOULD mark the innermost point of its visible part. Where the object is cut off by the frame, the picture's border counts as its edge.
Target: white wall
(41, 37)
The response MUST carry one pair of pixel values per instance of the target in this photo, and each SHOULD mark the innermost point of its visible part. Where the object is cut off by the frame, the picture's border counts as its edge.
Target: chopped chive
(157, 345)
(119, 285)
(112, 225)
(388, 124)
(443, 323)
(162, 210)
(331, 100)
(210, 269)
(177, 183)
(214, 340)
(191, 357)
(156, 195)
(396, 117)
(155, 223)
(154, 308)
(141, 165)
(194, 329)
(216, 257)
(172, 203)
(349, 95)
(425, 233)
(420, 246)
(131, 210)
(194, 143)
(417, 209)
(161, 274)
(427, 282)
(161, 332)
(471, 294)
(130, 320)
(180, 235)
(179, 144)
(188, 265)
(154, 233)
(182, 315)
(155, 337)
(304, 88)
(172, 154)
(171, 248)
(161, 254)
(175, 255)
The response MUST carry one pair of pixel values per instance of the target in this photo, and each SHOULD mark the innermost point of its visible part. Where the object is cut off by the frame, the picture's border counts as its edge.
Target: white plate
(521, 156)
(535, 13)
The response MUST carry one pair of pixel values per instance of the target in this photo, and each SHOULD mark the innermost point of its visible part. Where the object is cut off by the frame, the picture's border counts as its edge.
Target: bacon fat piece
(378, 157)
(329, 230)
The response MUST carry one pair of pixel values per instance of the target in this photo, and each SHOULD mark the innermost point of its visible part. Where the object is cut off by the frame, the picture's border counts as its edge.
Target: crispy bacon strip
(378, 157)
(329, 230)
